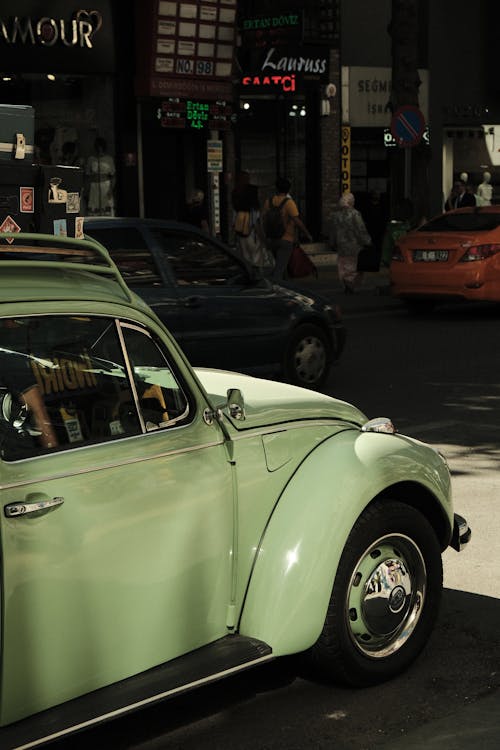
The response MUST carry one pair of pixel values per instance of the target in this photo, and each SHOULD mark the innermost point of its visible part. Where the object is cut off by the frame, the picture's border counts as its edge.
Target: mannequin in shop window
(485, 190)
(100, 181)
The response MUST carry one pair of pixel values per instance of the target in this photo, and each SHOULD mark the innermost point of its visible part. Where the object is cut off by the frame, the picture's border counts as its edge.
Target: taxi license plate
(429, 256)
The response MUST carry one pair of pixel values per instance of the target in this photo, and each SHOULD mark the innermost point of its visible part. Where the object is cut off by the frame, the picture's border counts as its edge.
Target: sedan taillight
(480, 252)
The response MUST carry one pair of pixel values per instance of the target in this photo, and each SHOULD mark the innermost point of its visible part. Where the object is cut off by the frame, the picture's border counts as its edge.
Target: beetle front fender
(299, 553)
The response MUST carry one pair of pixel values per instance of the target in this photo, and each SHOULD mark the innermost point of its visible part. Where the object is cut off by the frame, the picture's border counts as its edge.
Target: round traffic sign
(408, 125)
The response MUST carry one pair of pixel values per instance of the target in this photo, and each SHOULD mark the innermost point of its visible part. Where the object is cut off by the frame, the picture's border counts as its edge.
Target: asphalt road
(437, 377)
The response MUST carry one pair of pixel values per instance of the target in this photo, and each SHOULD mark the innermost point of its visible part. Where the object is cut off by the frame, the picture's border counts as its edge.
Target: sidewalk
(373, 293)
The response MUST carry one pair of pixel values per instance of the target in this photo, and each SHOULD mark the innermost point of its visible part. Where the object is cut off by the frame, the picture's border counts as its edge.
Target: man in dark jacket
(463, 197)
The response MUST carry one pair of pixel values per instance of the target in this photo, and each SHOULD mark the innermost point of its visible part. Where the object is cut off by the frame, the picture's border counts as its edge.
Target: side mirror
(236, 404)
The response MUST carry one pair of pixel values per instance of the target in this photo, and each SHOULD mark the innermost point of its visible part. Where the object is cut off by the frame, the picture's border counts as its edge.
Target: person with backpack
(281, 224)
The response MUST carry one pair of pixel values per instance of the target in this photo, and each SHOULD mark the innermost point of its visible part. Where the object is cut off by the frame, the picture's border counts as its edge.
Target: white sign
(214, 156)
(366, 94)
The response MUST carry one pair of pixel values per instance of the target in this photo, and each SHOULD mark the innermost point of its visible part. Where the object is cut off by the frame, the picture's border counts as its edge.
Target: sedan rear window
(475, 221)
(129, 250)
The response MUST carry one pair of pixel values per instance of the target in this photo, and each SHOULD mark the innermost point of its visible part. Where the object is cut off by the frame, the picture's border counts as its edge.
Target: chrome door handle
(13, 510)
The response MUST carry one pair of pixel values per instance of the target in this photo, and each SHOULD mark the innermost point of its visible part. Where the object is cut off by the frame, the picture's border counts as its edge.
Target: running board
(226, 656)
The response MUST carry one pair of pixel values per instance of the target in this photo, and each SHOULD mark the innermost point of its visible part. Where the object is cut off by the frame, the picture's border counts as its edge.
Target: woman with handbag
(249, 237)
(348, 235)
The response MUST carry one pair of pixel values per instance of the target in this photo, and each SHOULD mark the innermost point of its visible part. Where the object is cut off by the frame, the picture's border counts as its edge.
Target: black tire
(308, 357)
(385, 598)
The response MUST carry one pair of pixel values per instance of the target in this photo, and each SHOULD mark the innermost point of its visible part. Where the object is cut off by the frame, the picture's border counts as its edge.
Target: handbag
(253, 249)
(242, 223)
(368, 259)
(300, 264)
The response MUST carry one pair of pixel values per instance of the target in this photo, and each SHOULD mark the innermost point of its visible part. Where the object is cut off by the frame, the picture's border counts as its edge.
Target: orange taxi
(455, 256)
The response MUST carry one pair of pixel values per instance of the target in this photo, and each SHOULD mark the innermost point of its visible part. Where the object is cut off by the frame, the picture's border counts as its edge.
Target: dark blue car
(222, 313)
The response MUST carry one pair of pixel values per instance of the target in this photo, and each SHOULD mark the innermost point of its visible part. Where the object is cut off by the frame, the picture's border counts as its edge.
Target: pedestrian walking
(282, 226)
(348, 235)
(196, 212)
(250, 241)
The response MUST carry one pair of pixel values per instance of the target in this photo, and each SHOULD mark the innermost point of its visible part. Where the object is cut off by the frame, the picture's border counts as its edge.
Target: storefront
(366, 93)
(472, 153)
(282, 84)
(185, 55)
(61, 60)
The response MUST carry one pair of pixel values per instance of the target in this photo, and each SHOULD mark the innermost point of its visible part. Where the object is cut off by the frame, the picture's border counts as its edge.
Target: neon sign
(286, 83)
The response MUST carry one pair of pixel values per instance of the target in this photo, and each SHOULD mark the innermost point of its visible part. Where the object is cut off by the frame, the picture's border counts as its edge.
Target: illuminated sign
(194, 114)
(272, 31)
(284, 83)
(284, 69)
(390, 141)
(48, 31)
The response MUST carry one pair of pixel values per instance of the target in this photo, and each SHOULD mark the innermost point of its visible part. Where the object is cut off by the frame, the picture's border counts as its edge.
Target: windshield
(473, 221)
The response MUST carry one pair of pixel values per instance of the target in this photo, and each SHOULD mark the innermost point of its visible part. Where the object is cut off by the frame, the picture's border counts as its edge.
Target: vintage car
(164, 526)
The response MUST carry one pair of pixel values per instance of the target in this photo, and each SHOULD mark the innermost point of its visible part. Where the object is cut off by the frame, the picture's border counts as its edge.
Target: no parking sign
(408, 125)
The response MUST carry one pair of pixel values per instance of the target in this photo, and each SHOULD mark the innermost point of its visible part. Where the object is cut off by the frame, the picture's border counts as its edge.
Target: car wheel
(385, 597)
(308, 357)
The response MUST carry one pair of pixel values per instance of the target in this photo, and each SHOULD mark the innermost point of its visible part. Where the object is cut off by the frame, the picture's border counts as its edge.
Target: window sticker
(9, 225)
(73, 203)
(27, 200)
(60, 227)
(79, 234)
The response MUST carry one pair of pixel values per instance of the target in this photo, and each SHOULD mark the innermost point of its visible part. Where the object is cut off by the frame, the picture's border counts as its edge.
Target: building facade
(185, 93)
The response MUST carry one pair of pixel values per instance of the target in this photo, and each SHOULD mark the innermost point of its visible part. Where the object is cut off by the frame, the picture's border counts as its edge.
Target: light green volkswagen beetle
(163, 526)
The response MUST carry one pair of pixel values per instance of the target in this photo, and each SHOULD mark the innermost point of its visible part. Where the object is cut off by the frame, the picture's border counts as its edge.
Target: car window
(162, 400)
(65, 382)
(129, 250)
(196, 260)
(475, 221)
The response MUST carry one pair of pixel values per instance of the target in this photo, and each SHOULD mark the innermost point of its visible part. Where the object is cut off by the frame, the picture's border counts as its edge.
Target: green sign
(197, 114)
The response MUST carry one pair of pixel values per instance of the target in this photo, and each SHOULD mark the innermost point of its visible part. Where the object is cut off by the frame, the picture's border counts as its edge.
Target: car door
(116, 521)
(128, 245)
(228, 321)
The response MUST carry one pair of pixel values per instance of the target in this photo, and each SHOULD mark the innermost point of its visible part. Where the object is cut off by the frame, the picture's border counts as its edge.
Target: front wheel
(308, 357)
(385, 597)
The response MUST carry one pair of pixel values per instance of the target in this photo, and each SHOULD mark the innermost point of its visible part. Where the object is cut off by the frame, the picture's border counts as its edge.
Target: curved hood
(268, 402)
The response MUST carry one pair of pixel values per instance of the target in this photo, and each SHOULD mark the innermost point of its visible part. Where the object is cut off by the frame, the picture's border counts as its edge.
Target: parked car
(220, 311)
(164, 526)
(455, 256)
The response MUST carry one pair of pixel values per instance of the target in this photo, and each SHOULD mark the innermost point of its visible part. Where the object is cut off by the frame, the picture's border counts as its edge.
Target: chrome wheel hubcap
(310, 359)
(385, 595)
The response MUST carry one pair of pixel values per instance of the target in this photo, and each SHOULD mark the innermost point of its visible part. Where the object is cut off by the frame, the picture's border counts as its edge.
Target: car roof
(46, 267)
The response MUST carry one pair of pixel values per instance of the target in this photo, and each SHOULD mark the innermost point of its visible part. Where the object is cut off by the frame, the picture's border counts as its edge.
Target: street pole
(408, 172)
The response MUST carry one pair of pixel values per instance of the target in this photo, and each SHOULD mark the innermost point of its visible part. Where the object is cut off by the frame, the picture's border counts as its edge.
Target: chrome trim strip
(145, 702)
(114, 465)
(285, 426)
